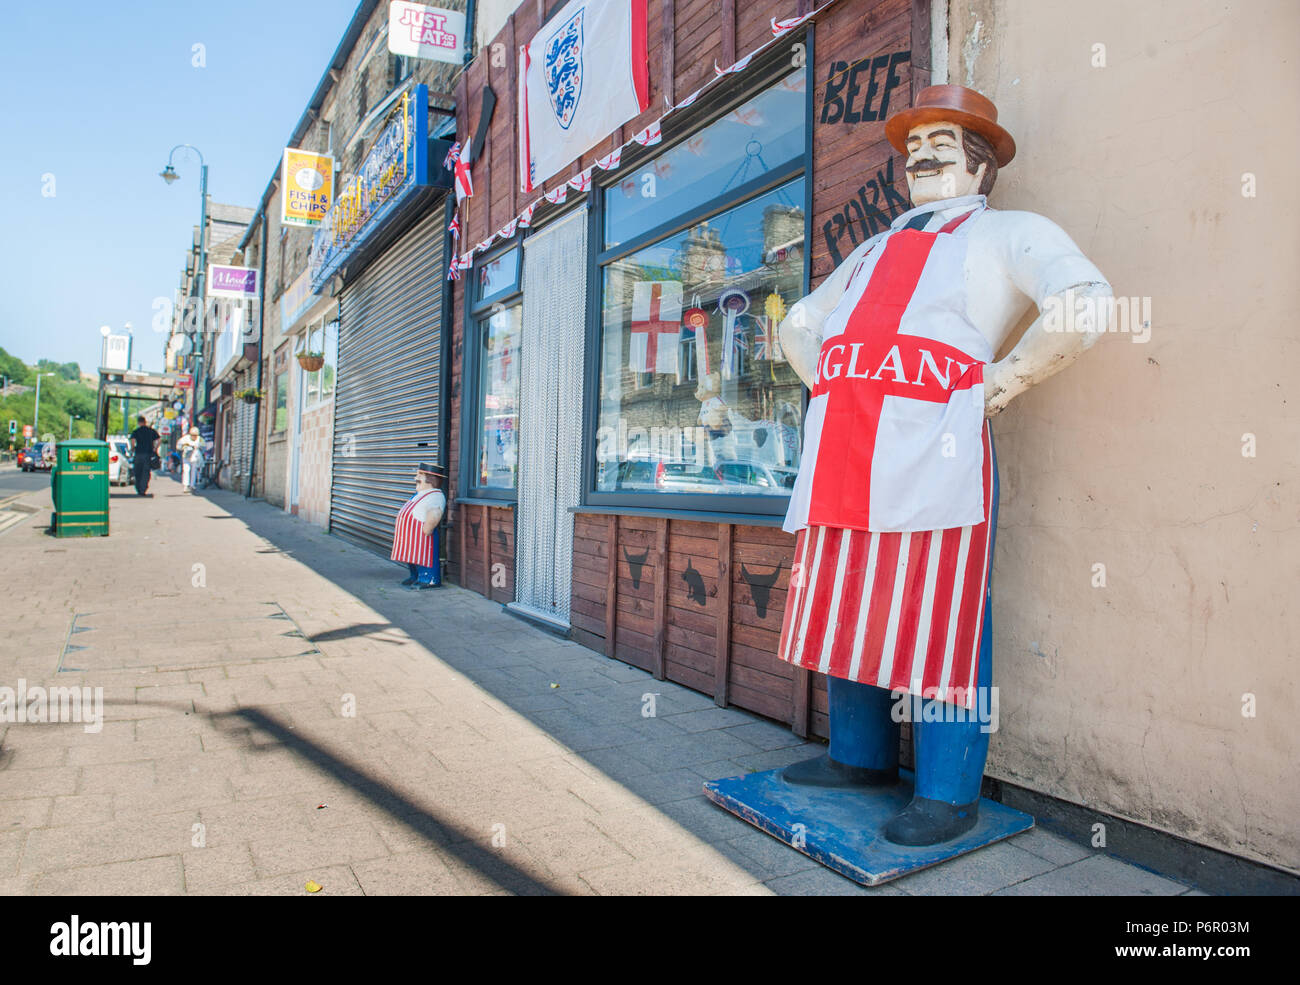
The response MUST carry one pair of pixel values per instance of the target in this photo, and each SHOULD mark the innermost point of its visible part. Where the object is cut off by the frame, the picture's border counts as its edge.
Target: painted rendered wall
(1129, 697)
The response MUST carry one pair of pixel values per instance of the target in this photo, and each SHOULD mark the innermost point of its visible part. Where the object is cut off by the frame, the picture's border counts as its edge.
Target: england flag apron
(896, 479)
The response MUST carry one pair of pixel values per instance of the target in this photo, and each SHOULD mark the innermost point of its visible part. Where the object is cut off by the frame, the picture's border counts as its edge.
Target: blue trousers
(950, 755)
(425, 576)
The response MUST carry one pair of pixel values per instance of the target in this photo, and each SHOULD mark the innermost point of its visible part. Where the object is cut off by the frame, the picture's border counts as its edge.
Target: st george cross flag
(581, 77)
(457, 162)
(656, 326)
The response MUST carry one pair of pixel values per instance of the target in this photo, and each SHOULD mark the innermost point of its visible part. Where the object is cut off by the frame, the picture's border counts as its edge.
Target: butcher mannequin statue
(415, 531)
(896, 500)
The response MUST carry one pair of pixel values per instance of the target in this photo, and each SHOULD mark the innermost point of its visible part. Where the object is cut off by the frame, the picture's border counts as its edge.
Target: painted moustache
(931, 165)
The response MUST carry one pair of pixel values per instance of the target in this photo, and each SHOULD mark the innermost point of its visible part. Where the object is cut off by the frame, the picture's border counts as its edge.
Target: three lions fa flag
(308, 183)
(581, 77)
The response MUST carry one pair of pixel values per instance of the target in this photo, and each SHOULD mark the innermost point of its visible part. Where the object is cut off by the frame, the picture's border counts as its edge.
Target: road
(13, 482)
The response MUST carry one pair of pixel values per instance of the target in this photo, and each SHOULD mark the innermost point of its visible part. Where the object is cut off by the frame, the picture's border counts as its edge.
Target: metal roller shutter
(387, 404)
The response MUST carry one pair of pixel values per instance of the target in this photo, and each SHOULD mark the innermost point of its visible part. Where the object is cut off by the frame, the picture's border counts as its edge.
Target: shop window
(753, 140)
(318, 386)
(280, 420)
(497, 440)
(490, 461)
(696, 405)
(497, 277)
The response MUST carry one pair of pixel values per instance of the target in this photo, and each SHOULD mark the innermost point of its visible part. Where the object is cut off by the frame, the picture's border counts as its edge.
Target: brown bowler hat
(952, 104)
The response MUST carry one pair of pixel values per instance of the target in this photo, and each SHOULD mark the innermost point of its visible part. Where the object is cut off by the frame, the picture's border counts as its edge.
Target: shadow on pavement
(373, 579)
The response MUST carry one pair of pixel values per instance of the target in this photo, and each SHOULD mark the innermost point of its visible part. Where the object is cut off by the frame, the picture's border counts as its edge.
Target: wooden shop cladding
(698, 600)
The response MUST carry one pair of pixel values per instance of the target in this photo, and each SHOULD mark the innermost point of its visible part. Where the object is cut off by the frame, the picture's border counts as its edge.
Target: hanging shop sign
(231, 282)
(307, 181)
(426, 32)
(397, 165)
(295, 301)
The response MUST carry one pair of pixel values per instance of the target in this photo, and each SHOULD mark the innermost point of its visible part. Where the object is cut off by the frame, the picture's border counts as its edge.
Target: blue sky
(97, 94)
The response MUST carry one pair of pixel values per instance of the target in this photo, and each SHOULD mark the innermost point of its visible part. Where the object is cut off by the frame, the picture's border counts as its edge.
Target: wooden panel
(799, 703)
(722, 653)
(668, 46)
(728, 33)
(921, 67)
(661, 595)
(485, 545)
(501, 554)
(611, 585)
(863, 60)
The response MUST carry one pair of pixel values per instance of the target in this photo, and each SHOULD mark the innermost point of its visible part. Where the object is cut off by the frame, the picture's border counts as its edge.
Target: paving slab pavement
(278, 710)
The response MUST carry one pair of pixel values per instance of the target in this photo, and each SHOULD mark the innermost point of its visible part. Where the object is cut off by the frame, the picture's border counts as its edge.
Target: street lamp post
(71, 418)
(168, 174)
(36, 414)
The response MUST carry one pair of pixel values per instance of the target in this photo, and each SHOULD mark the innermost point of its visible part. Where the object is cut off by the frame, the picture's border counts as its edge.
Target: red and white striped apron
(900, 610)
(411, 545)
(877, 596)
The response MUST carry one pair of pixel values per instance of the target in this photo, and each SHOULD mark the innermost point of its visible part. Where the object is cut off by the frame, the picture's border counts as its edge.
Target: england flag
(656, 326)
(581, 77)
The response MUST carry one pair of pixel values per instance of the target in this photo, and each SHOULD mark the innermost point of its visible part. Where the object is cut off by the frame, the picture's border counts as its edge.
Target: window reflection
(498, 438)
(751, 140)
(696, 395)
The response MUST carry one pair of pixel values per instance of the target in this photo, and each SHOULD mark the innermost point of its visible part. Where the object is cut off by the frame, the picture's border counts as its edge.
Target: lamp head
(168, 174)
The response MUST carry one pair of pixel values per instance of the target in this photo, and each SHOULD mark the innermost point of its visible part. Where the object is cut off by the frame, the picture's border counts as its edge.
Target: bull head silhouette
(760, 587)
(636, 562)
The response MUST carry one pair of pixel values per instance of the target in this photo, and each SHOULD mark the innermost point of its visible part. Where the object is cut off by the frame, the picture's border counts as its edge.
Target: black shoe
(826, 772)
(424, 586)
(929, 822)
(407, 583)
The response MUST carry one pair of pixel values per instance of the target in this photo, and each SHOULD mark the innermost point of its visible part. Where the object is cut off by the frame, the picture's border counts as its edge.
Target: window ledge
(736, 519)
(484, 501)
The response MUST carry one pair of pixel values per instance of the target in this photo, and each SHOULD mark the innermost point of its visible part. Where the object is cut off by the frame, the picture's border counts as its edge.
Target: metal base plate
(841, 829)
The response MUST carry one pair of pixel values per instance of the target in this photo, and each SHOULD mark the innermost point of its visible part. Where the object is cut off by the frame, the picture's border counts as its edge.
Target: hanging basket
(310, 361)
(249, 396)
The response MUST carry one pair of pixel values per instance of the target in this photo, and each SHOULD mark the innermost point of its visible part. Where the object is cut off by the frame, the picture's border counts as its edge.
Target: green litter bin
(79, 485)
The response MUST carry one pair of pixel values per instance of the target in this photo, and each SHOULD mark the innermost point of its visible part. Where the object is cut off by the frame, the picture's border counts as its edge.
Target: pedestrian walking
(143, 441)
(191, 449)
(415, 532)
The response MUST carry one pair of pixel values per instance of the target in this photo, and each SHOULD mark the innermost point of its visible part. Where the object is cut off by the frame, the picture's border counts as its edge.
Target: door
(550, 416)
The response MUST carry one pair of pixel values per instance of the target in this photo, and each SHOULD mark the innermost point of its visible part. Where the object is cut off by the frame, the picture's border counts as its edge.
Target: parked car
(21, 459)
(651, 475)
(755, 477)
(119, 461)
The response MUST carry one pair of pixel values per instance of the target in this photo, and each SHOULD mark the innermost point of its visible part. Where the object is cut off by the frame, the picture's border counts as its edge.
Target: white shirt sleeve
(1040, 258)
(433, 504)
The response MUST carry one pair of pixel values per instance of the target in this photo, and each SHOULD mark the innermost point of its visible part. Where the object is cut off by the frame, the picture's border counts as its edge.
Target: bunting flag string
(790, 23)
(740, 66)
(611, 160)
(648, 137)
(580, 182)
